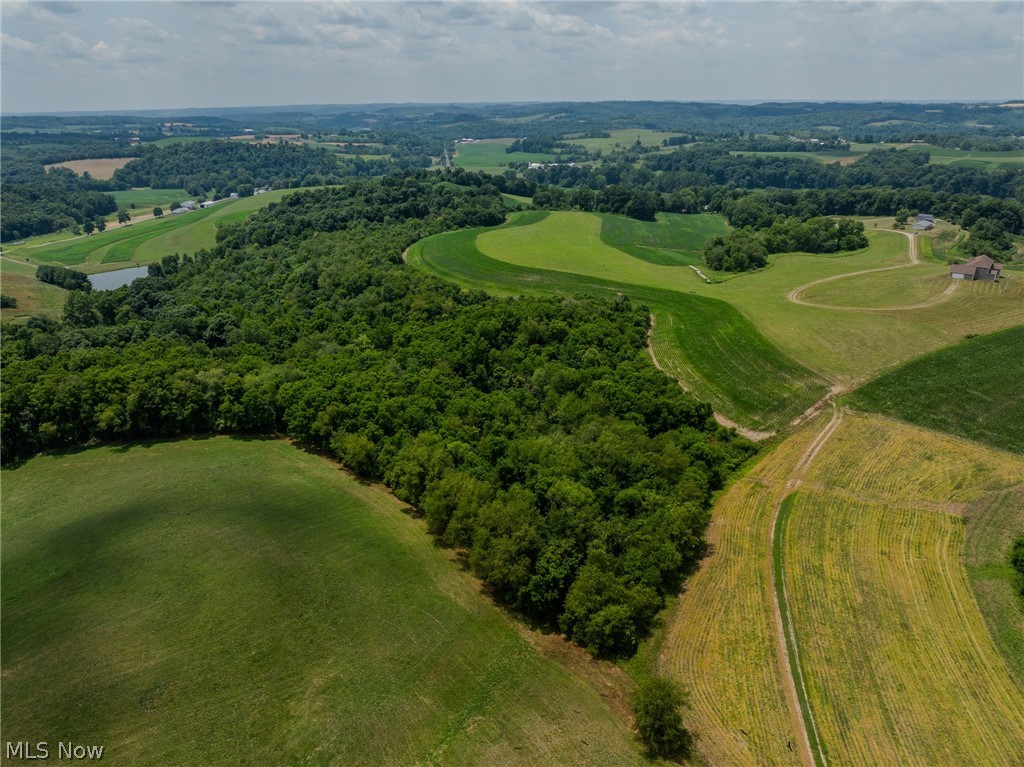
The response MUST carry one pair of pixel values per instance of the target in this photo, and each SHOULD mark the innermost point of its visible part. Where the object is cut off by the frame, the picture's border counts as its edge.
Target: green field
(145, 241)
(241, 602)
(490, 156)
(706, 343)
(623, 138)
(673, 240)
(146, 199)
(973, 390)
(34, 297)
(938, 155)
(183, 140)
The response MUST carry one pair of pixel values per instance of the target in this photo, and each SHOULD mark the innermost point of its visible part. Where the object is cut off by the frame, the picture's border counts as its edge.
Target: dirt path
(751, 434)
(912, 253)
(793, 681)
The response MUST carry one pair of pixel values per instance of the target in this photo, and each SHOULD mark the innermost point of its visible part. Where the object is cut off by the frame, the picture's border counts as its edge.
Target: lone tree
(158, 212)
(89, 227)
(100, 223)
(659, 724)
(123, 216)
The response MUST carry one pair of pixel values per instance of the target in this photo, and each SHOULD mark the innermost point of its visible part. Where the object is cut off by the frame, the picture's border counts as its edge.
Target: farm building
(924, 222)
(179, 211)
(978, 268)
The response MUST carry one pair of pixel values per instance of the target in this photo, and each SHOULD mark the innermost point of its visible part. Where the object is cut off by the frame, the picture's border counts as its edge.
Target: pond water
(117, 278)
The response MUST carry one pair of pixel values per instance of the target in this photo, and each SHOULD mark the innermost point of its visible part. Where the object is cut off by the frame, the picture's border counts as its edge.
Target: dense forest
(58, 200)
(223, 166)
(533, 434)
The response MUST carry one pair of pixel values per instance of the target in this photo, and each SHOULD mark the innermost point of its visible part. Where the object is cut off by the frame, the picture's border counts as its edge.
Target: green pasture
(972, 389)
(147, 199)
(673, 240)
(34, 297)
(938, 155)
(241, 602)
(150, 240)
(707, 344)
(490, 156)
(624, 139)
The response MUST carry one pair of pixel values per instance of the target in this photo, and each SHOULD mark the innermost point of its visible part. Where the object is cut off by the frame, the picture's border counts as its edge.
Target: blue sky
(140, 55)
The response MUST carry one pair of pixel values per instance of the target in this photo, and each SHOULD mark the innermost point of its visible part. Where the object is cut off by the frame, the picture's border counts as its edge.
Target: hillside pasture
(624, 138)
(672, 240)
(241, 602)
(146, 199)
(102, 168)
(972, 389)
(34, 297)
(150, 240)
(706, 344)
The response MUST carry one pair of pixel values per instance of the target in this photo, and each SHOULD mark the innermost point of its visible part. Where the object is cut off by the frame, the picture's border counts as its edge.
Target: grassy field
(490, 156)
(874, 565)
(99, 168)
(241, 602)
(34, 297)
(994, 521)
(937, 155)
(624, 139)
(146, 199)
(972, 389)
(145, 241)
(672, 240)
(841, 345)
(898, 659)
(182, 140)
(705, 343)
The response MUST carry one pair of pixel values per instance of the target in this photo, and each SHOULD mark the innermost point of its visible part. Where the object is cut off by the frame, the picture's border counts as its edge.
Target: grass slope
(707, 344)
(972, 389)
(242, 602)
(146, 199)
(672, 240)
(899, 665)
(147, 241)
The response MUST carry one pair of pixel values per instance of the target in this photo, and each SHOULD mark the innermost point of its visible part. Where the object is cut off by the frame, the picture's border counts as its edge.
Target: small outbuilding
(978, 268)
(924, 222)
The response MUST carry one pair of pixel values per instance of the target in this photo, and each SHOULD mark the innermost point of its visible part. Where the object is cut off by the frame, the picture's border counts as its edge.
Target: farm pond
(117, 277)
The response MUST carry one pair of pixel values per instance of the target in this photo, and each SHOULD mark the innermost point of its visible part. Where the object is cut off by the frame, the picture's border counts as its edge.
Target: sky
(66, 56)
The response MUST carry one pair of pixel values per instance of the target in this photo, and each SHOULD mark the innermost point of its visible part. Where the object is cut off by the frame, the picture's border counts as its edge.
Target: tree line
(533, 434)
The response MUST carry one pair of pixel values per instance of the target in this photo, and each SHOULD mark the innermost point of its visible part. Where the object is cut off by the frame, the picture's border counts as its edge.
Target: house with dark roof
(978, 268)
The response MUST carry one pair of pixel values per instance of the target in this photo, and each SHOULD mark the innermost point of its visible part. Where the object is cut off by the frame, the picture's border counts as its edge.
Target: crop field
(874, 565)
(489, 155)
(898, 659)
(707, 344)
(147, 241)
(972, 389)
(314, 621)
(145, 199)
(102, 168)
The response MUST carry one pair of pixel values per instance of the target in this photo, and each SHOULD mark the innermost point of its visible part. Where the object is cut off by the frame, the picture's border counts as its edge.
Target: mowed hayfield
(146, 241)
(624, 138)
(973, 389)
(898, 660)
(707, 344)
(102, 168)
(899, 664)
(241, 602)
(839, 344)
(146, 199)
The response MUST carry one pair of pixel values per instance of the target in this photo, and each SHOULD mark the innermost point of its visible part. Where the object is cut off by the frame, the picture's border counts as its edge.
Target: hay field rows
(241, 602)
(882, 576)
